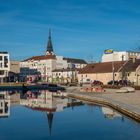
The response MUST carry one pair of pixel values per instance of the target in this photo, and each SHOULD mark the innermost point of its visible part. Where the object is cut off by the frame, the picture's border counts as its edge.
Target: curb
(126, 112)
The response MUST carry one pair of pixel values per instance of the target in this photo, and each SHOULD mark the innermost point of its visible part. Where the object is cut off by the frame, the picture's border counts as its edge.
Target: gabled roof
(42, 57)
(105, 67)
(74, 60)
(65, 70)
(131, 66)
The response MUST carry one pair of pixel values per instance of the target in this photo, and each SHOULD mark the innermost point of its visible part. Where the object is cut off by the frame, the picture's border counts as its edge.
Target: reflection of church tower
(49, 50)
(50, 121)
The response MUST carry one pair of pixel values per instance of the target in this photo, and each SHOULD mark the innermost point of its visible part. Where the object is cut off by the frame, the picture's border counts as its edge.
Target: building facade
(13, 75)
(65, 75)
(47, 63)
(15, 66)
(120, 56)
(123, 70)
(4, 66)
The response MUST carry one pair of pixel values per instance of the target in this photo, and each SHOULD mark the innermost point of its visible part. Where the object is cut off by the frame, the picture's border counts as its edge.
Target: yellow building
(105, 71)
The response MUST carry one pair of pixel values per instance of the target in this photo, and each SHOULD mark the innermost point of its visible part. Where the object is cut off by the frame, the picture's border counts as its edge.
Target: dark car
(124, 82)
(111, 82)
(96, 82)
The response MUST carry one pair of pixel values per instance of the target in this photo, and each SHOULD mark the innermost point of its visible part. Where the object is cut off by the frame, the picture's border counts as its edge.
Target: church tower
(49, 50)
(50, 121)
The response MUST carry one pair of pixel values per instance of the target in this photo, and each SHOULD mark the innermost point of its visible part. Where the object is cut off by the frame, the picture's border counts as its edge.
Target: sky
(80, 28)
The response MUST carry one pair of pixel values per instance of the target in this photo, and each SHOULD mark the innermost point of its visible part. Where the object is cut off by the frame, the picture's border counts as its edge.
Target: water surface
(40, 116)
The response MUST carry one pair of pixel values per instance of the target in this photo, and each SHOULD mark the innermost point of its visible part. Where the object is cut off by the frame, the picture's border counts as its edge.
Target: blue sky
(80, 28)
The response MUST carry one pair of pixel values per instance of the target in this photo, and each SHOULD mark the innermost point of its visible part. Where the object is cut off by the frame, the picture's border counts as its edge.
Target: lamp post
(137, 79)
(113, 70)
(110, 51)
(123, 70)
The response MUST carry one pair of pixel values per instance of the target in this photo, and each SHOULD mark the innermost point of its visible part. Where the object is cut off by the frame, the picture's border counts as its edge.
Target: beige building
(15, 66)
(126, 70)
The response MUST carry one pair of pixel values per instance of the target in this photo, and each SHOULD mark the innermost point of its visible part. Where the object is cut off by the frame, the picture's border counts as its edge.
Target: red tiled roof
(66, 70)
(105, 67)
(131, 66)
(74, 60)
(42, 57)
(43, 109)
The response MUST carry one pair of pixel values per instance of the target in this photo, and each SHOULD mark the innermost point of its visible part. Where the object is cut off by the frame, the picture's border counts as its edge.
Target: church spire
(50, 120)
(49, 46)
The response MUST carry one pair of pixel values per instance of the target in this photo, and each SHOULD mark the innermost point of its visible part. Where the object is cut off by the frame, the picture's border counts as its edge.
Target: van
(86, 81)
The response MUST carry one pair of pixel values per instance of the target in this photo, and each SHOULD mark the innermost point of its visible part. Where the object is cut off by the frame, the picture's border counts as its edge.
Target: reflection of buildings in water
(14, 98)
(45, 101)
(4, 104)
(50, 121)
(110, 113)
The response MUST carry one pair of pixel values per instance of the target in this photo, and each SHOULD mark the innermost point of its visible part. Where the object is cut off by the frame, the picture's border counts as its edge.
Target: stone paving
(129, 101)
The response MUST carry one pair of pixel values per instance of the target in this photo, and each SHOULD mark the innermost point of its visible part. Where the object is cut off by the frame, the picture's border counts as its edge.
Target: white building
(39, 64)
(65, 75)
(119, 56)
(4, 66)
(47, 63)
(4, 104)
(44, 100)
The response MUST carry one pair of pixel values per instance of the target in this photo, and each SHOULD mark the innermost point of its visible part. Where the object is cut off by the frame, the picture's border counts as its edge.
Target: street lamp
(137, 79)
(113, 71)
(110, 51)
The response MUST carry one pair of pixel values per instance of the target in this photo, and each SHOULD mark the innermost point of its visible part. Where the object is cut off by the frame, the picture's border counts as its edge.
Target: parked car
(96, 82)
(120, 82)
(86, 81)
(124, 82)
(111, 82)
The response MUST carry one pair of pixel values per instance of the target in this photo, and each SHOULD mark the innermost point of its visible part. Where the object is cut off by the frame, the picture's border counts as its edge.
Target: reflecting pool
(41, 115)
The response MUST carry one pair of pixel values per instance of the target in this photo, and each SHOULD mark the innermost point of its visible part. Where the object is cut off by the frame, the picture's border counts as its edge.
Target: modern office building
(120, 56)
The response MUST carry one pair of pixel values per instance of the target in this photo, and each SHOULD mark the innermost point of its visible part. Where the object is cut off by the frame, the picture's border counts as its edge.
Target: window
(0, 65)
(0, 57)
(6, 61)
(1, 72)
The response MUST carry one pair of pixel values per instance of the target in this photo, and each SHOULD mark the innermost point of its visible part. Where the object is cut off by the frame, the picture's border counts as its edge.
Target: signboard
(108, 51)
